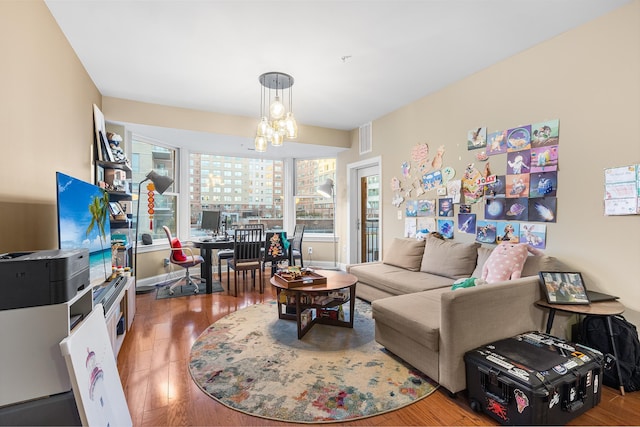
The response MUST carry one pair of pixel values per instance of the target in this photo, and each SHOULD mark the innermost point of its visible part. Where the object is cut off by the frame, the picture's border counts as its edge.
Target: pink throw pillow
(505, 262)
(178, 255)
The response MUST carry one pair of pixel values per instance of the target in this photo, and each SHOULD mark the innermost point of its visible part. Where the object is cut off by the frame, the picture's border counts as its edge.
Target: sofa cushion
(396, 280)
(416, 315)
(405, 253)
(449, 259)
(483, 256)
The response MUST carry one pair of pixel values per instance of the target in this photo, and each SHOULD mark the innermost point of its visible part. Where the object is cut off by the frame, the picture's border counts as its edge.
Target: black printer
(30, 279)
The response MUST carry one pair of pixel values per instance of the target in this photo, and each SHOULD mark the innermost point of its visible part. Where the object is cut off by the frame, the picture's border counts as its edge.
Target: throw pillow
(505, 262)
(405, 253)
(448, 258)
(178, 255)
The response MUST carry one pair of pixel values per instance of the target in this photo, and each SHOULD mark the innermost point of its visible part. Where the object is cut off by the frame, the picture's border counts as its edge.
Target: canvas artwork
(517, 185)
(477, 138)
(445, 227)
(425, 226)
(544, 159)
(486, 231)
(543, 184)
(467, 223)
(507, 232)
(519, 138)
(534, 235)
(495, 209)
(542, 209)
(445, 207)
(545, 133)
(518, 162)
(497, 188)
(497, 143)
(411, 208)
(517, 209)
(427, 207)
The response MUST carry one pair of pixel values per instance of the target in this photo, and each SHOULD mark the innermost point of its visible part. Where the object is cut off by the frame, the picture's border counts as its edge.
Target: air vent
(366, 144)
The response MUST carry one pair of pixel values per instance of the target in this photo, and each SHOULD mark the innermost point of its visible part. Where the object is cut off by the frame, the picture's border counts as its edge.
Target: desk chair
(247, 256)
(227, 254)
(178, 257)
(275, 250)
(296, 245)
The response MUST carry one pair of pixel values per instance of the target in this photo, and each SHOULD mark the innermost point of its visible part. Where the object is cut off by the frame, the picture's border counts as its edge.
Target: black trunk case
(533, 379)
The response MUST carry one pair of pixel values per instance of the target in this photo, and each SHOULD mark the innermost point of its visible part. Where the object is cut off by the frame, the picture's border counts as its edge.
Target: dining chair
(247, 246)
(182, 256)
(227, 254)
(296, 244)
(276, 249)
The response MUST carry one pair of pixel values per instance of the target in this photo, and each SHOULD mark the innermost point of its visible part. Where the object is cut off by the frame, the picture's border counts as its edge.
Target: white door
(364, 211)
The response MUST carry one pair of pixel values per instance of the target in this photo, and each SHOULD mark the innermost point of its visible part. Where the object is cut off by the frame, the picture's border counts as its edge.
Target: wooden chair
(296, 245)
(276, 250)
(182, 259)
(247, 248)
(227, 254)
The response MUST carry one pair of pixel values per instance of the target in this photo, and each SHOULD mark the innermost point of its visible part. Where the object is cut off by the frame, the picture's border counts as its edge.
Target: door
(368, 224)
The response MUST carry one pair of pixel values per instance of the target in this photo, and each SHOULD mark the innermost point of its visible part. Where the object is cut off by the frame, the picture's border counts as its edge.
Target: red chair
(184, 260)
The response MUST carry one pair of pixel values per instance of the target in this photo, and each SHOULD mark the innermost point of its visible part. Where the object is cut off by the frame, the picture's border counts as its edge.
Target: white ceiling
(352, 61)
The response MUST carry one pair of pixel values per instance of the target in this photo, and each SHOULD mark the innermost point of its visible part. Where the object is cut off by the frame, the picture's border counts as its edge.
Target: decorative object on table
(114, 145)
(333, 374)
(563, 287)
(293, 277)
(161, 184)
(327, 189)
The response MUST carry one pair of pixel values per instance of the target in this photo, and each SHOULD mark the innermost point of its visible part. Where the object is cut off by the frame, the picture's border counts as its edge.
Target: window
(241, 203)
(312, 210)
(146, 157)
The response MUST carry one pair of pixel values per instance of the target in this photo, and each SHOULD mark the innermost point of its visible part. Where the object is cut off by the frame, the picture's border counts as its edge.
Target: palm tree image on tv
(98, 210)
(83, 223)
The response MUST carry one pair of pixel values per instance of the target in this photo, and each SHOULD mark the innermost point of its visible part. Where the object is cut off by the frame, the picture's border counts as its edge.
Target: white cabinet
(31, 364)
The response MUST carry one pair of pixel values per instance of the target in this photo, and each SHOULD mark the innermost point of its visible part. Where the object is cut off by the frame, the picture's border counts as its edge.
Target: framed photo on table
(563, 287)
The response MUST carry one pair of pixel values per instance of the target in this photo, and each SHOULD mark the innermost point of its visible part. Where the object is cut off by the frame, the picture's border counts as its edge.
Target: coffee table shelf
(318, 301)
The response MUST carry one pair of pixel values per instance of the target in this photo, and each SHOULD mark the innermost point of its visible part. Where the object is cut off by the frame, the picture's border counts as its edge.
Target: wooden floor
(159, 390)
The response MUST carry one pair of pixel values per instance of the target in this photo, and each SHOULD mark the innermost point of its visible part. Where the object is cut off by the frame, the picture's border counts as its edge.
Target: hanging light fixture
(280, 123)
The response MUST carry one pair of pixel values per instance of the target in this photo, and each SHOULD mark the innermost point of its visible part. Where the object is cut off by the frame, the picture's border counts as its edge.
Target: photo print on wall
(519, 138)
(495, 209)
(445, 207)
(517, 185)
(518, 162)
(507, 232)
(427, 207)
(542, 209)
(544, 159)
(534, 235)
(445, 227)
(517, 209)
(543, 184)
(545, 133)
(477, 138)
(467, 223)
(486, 231)
(411, 208)
(497, 143)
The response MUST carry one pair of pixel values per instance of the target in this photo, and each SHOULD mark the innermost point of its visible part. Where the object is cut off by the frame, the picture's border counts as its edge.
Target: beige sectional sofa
(420, 319)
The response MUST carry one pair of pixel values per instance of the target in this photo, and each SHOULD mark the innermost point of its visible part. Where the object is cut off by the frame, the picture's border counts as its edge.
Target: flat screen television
(210, 221)
(83, 222)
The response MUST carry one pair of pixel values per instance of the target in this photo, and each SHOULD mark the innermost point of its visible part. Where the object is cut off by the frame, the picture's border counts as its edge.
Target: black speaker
(146, 239)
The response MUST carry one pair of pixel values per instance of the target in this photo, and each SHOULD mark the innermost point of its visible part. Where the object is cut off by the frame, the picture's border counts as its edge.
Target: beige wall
(46, 120)
(589, 79)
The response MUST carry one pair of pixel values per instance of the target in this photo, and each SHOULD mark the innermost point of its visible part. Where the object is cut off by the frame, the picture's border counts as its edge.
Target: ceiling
(352, 61)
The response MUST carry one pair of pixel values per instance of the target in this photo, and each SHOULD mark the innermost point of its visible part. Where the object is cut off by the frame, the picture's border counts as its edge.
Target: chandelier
(279, 124)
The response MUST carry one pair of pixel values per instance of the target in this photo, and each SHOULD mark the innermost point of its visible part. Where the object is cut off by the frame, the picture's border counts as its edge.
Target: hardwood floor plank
(153, 366)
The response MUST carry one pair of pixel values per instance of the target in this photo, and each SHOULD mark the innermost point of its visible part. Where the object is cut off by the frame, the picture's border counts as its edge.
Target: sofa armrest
(476, 316)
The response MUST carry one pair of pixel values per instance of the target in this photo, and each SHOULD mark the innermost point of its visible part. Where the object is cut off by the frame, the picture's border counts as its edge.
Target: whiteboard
(94, 374)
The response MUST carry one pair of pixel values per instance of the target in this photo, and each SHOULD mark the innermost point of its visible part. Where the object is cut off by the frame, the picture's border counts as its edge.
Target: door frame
(352, 205)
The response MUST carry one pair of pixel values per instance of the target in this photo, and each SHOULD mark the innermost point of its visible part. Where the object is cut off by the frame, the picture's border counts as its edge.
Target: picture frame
(116, 211)
(563, 287)
(103, 149)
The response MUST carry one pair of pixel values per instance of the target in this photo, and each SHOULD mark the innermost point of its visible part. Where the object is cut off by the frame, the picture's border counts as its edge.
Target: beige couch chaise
(420, 319)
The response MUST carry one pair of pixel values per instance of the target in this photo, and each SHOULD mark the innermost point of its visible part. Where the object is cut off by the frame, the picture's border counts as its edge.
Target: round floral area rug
(252, 362)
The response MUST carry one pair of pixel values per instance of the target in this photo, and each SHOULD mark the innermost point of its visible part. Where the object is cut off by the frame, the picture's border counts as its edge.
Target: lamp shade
(326, 189)
(161, 182)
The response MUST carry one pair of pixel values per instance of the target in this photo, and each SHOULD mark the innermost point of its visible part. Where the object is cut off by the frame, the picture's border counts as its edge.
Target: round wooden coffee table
(318, 303)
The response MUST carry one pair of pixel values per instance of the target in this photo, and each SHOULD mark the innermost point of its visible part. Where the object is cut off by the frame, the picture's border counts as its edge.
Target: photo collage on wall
(516, 205)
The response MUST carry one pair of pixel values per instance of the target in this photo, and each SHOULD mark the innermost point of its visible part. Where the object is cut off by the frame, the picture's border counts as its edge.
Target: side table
(601, 308)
